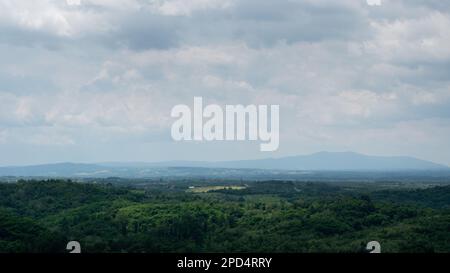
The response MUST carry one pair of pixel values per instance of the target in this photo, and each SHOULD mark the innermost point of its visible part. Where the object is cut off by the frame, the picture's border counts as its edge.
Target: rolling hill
(323, 161)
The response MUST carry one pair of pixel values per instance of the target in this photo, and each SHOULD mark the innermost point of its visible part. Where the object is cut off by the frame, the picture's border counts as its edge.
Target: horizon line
(217, 161)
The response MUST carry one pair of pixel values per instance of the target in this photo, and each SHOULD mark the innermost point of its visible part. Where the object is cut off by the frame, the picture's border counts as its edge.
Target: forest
(223, 216)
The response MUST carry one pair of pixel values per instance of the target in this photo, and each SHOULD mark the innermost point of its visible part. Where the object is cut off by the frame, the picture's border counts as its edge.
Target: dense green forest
(189, 216)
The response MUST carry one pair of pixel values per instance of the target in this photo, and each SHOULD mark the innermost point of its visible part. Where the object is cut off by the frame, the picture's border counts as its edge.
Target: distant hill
(339, 161)
(59, 169)
(323, 161)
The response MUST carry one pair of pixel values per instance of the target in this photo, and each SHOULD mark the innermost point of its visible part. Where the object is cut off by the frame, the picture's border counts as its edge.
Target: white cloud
(35, 15)
(412, 40)
(73, 2)
(186, 7)
(110, 70)
(363, 103)
(66, 20)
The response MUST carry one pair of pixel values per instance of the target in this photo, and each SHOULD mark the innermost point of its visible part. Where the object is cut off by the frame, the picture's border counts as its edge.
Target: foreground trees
(42, 216)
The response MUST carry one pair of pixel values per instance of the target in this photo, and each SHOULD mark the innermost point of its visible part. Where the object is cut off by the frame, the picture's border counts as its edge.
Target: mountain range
(322, 161)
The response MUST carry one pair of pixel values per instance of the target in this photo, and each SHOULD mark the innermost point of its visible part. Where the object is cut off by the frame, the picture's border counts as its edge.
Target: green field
(214, 188)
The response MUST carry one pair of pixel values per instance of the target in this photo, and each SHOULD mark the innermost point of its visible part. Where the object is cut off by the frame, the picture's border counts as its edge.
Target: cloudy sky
(95, 80)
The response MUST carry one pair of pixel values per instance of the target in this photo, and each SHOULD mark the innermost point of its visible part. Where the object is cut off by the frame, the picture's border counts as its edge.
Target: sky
(95, 80)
